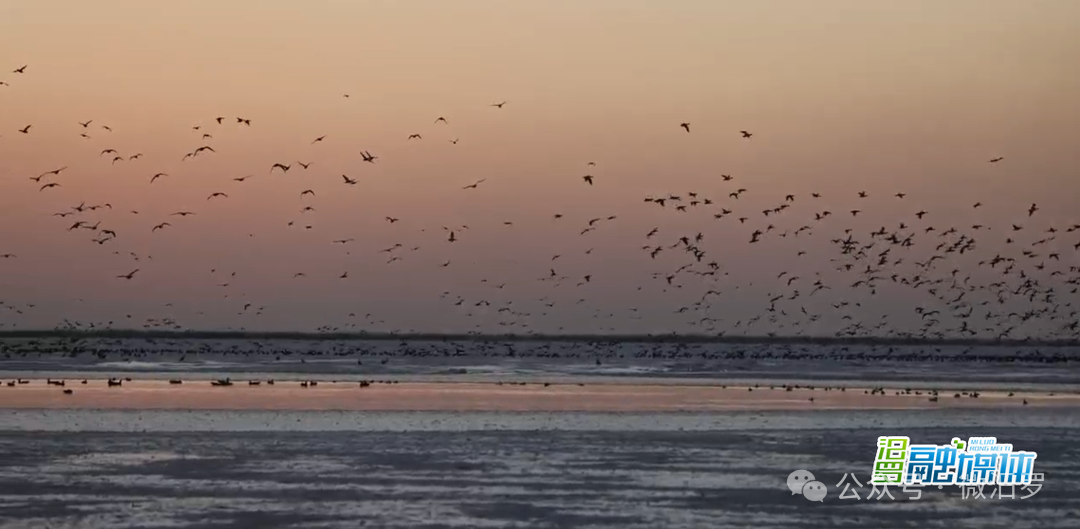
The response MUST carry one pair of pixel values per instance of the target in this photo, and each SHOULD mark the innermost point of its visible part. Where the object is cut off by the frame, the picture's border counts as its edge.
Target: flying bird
(685, 126)
(442, 119)
(348, 180)
(306, 192)
(473, 185)
(155, 177)
(745, 134)
(317, 140)
(128, 275)
(417, 136)
(284, 168)
(996, 160)
(46, 186)
(500, 105)
(161, 226)
(20, 70)
(588, 179)
(55, 172)
(26, 129)
(217, 195)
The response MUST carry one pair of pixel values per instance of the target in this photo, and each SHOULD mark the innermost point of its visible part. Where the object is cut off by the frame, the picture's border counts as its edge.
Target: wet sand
(249, 469)
(533, 397)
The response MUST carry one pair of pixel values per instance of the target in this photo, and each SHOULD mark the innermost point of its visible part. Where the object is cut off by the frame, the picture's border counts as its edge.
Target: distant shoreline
(612, 338)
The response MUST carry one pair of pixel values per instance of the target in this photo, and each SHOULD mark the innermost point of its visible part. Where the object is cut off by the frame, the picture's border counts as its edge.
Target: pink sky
(841, 96)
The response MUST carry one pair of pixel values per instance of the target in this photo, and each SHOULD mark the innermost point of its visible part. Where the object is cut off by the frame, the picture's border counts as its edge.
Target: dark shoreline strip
(609, 339)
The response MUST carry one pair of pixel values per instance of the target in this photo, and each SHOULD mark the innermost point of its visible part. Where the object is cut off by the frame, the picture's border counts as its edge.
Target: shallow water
(194, 358)
(336, 469)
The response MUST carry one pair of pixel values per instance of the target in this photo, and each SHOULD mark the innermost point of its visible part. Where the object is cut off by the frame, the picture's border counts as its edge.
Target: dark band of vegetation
(608, 338)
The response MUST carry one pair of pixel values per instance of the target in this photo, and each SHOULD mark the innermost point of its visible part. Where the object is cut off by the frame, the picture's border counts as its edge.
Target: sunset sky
(906, 97)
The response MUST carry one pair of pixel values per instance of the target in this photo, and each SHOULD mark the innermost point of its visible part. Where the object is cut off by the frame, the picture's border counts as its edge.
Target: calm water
(263, 470)
(504, 361)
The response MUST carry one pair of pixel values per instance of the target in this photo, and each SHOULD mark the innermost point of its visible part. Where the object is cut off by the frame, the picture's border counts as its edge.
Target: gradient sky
(841, 96)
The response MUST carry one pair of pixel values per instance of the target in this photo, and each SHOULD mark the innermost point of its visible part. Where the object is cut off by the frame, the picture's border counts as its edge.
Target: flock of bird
(980, 280)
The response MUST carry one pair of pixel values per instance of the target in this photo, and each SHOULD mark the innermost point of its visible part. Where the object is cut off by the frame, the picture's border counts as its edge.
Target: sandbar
(531, 397)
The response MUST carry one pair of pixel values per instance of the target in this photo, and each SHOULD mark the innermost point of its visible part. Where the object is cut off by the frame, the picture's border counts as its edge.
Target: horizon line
(667, 338)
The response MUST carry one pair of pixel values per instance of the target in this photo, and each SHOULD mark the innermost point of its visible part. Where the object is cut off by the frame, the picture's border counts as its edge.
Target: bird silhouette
(685, 126)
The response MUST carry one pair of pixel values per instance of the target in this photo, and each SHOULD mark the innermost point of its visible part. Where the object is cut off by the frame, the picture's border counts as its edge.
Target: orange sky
(841, 96)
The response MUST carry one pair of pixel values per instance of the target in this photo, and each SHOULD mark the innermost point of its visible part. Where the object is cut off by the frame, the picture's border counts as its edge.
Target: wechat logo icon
(803, 482)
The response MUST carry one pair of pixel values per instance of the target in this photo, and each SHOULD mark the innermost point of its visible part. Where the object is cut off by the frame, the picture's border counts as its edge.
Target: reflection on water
(174, 469)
